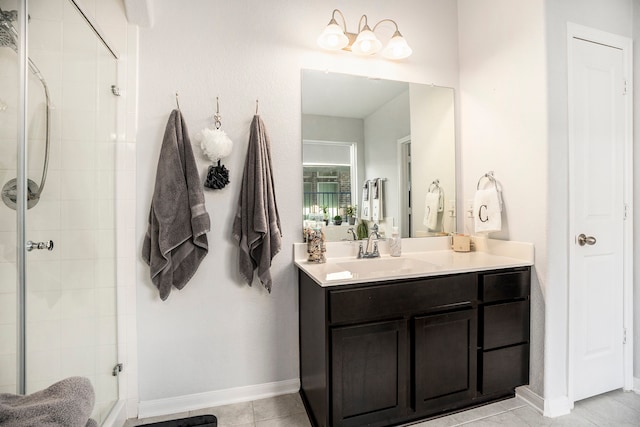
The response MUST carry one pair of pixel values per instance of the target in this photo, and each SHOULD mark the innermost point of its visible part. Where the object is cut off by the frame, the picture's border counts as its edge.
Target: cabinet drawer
(505, 324)
(504, 369)
(402, 298)
(503, 286)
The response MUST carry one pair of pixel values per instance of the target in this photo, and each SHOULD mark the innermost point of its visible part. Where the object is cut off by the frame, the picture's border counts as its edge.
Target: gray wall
(218, 334)
(503, 123)
(432, 151)
(382, 129)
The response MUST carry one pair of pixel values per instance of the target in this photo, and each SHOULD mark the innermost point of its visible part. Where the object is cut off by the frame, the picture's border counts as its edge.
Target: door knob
(586, 240)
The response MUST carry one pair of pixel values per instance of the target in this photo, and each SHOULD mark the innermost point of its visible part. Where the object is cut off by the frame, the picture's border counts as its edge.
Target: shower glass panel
(71, 271)
(9, 116)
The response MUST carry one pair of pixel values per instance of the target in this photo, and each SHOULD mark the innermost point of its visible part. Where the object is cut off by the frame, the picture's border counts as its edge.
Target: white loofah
(215, 143)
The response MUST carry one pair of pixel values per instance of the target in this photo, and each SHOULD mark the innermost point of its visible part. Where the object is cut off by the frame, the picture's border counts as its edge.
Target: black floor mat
(199, 421)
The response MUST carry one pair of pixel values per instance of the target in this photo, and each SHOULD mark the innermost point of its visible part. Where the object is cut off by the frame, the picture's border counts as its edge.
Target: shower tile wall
(71, 298)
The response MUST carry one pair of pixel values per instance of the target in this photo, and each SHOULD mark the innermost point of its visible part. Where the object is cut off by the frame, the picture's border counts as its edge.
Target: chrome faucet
(374, 253)
(353, 233)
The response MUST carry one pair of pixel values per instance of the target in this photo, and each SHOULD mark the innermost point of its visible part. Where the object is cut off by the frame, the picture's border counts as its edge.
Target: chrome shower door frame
(21, 198)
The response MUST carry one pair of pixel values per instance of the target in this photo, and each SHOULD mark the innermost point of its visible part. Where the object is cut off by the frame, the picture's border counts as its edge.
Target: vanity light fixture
(364, 42)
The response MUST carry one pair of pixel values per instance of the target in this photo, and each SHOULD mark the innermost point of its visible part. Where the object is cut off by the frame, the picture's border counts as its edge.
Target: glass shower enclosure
(57, 217)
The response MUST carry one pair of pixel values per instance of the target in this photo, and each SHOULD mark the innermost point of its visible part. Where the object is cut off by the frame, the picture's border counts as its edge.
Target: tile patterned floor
(616, 408)
(280, 411)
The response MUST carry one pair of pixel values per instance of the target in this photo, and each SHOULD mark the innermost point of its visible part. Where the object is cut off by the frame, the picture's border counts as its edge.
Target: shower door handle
(39, 245)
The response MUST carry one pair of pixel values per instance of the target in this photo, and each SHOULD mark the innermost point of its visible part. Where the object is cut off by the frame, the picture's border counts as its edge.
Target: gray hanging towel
(256, 226)
(176, 240)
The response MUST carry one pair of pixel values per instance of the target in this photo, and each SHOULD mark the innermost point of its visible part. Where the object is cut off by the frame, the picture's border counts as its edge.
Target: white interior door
(597, 181)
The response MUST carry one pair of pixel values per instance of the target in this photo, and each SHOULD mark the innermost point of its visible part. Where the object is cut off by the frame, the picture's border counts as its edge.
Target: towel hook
(217, 118)
(256, 106)
(177, 103)
(435, 185)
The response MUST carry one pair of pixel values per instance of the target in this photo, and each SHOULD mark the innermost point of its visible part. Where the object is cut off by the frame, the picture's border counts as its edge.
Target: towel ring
(435, 185)
(488, 176)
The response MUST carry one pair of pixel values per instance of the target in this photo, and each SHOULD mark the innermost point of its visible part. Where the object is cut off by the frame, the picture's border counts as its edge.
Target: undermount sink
(376, 266)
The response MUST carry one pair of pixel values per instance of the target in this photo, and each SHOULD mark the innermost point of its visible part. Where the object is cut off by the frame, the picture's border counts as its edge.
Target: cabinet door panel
(369, 375)
(445, 359)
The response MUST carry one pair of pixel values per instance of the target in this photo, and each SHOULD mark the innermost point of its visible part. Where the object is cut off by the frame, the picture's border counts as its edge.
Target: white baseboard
(547, 407)
(192, 402)
(530, 397)
(117, 416)
(557, 407)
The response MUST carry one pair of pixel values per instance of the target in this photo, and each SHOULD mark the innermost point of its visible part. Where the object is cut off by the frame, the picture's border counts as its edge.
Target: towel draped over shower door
(256, 226)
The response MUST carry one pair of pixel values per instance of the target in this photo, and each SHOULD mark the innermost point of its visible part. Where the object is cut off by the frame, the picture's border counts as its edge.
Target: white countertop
(421, 257)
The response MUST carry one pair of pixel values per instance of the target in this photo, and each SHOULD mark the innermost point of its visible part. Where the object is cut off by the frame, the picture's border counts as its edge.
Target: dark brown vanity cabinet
(386, 353)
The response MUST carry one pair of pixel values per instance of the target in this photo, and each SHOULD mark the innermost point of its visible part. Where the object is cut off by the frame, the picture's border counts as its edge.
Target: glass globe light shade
(333, 37)
(366, 43)
(397, 48)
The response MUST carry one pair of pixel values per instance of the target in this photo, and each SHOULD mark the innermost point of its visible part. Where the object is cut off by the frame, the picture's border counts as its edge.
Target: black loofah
(217, 177)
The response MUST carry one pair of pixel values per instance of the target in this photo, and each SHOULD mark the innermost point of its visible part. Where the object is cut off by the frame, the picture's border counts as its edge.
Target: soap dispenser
(395, 244)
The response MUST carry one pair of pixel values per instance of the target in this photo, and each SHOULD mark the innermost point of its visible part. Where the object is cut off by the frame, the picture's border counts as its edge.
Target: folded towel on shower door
(176, 240)
(487, 210)
(66, 403)
(256, 226)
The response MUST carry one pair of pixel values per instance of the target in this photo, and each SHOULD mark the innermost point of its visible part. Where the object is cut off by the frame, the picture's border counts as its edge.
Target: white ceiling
(344, 95)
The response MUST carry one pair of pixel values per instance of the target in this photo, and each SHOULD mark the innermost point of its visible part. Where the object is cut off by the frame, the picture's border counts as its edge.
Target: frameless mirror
(377, 151)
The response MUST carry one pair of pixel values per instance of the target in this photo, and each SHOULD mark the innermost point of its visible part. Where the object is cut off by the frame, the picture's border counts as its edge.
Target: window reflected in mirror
(329, 171)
